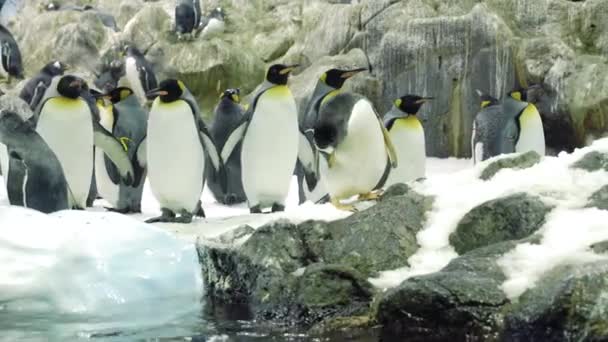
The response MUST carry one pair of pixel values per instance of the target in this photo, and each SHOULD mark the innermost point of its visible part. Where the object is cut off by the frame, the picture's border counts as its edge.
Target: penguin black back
(34, 89)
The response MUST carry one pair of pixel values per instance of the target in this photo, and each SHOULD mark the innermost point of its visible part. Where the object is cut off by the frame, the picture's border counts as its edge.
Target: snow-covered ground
(457, 189)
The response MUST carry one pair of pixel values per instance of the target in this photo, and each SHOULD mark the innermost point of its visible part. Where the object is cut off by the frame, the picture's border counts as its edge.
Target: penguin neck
(226, 105)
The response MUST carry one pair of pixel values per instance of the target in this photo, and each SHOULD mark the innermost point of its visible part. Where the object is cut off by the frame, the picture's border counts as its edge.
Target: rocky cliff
(445, 49)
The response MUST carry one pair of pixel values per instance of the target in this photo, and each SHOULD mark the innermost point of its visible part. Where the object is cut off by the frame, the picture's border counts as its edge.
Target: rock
(314, 271)
(462, 302)
(592, 161)
(568, 304)
(516, 161)
(599, 199)
(509, 218)
(600, 247)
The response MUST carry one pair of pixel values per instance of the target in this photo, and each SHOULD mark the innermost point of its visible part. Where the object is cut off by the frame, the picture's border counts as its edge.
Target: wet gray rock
(568, 304)
(600, 247)
(599, 199)
(516, 161)
(509, 218)
(592, 161)
(314, 271)
(461, 302)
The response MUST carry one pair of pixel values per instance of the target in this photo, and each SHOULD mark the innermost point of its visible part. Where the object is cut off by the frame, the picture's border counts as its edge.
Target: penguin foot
(230, 199)
(185, 217)
(120, 211)
(255, 209)
(346, 207)
(166, 216)
(199, 210)
(77, 208)
(370, 196)
(277, 208)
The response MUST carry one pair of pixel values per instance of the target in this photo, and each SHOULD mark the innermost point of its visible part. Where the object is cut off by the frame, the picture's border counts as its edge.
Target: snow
(457, 192)
(101, 267)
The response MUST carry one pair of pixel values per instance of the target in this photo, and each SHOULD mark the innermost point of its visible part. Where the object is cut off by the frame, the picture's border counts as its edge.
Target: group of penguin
(339, 147)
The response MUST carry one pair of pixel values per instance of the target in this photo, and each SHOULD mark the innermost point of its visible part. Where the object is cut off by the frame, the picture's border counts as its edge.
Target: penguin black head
(279, 73)
(71, 86)
(523, 94)
(120, 94)
(410, 104)
(232, 94)
(486, 99)
(55, 68)
(169, 90)
(218, 13)
(335, 78)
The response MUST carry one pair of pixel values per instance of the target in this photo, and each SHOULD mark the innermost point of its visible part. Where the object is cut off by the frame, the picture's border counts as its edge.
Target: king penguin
(269, 134)
(34, 89)
(187, 18)
(356, 147)
(328, 85)
(530, 132)
(139, 72)
(11, 56)
(121, 114)
(65, 121)
(486, 139)
(35, 178)
(407, 135)
(228, 115)
(177, 145)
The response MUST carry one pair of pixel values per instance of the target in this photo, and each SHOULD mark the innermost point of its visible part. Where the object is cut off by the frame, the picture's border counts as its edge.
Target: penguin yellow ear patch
(181, 84)
(323, 77)
(124, 94)
(398, 103)
(236, 98)
(484, 104)
(516, 95)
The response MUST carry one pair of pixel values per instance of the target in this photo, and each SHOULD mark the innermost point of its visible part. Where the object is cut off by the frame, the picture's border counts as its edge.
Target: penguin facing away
(328, 85)
(33, 91)
(228, 115)
(269, 136)
(65, 121)
(531, 135)
(139, 73)
(407, 135)
(486, 138)
(356, 148)
(11, 64)
(35, 178)
(187, 18)
(176, 146)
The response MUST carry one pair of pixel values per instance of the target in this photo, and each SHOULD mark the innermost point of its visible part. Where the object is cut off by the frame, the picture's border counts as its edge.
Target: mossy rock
(517, 162)
(592, 161)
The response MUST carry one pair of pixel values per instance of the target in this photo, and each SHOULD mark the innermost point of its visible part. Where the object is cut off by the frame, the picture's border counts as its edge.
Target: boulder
(592, 161)
(515, 161)
(509, 218)
(314, 271)
(568, 304)
(599, 199)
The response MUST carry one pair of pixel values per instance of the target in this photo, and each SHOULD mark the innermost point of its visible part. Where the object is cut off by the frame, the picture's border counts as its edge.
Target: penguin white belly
(213, 28)
(175, 156)
(4, 163)
(361, 158)
(407, 136)
(133, 77)
(105, 187)
(270, 148)
(66, 126)
(531, 134)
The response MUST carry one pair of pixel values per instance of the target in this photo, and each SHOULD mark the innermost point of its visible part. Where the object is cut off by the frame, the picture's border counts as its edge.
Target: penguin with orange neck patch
(407, 135)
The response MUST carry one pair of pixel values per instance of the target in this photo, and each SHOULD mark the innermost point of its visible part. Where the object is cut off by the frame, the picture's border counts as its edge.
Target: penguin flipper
(139, 162)
(213, 155)
(115, 151)
(233, 140)
(388, 143)
(308, 157)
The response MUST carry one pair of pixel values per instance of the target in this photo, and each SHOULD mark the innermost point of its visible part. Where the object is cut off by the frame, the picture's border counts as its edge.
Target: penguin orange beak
(424, 99)
(288, 69)
(350, 73)
(156, 92)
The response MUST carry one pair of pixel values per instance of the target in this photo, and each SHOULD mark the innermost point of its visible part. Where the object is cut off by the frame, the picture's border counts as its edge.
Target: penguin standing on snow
(35, 178)
(11, 65)
(269, 137)
(407, 135)
(328, 86)
(530, 135)
(187, 18)
(139, 72)
(34, 89)
(486, 139)
(65, 121)
(121, 114)
(177, 145)
(357, 150)
(228, 115)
